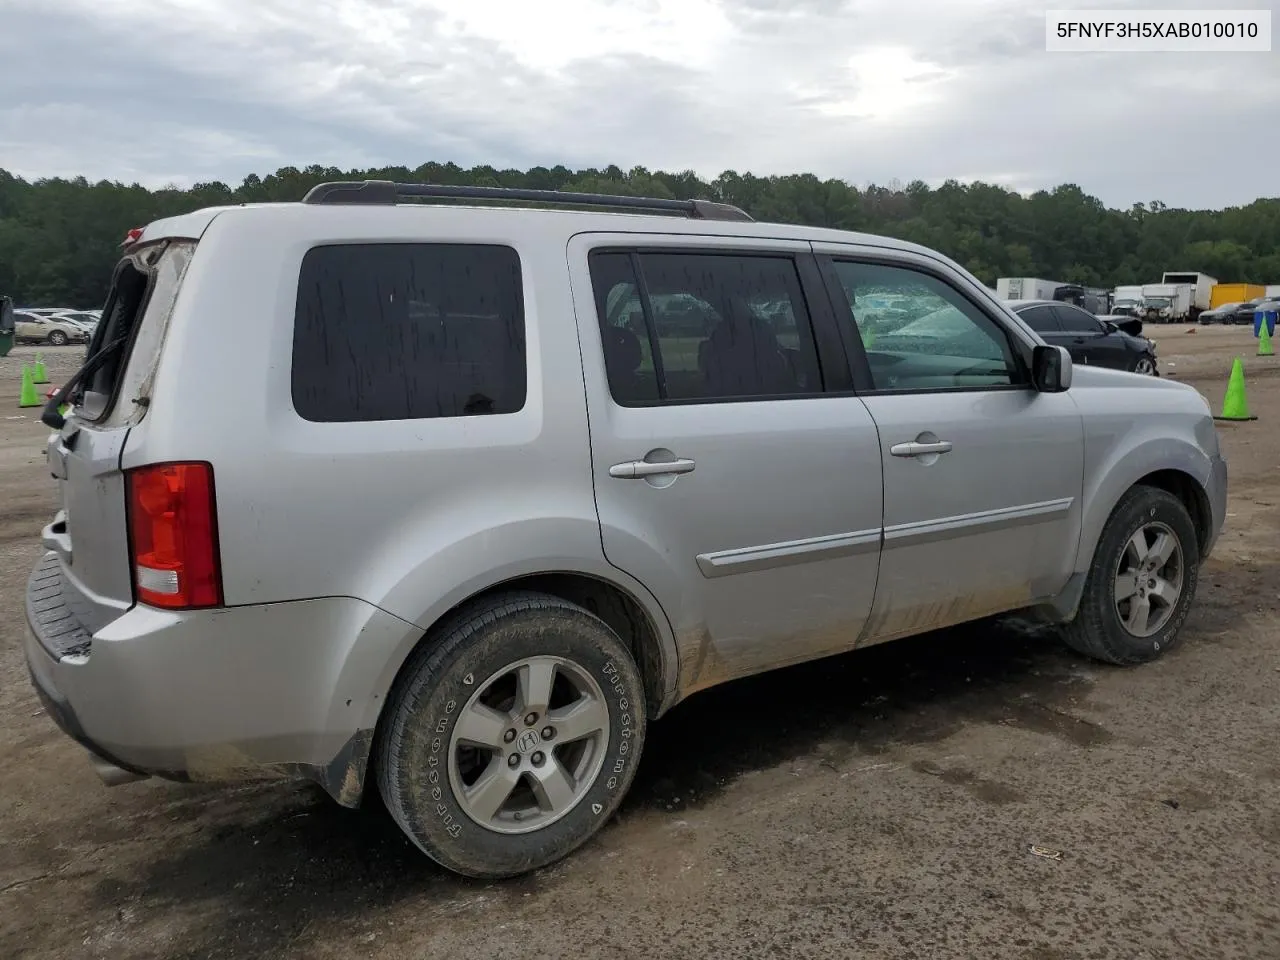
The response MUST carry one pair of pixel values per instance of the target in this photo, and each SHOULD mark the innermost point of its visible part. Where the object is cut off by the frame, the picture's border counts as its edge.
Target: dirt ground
(879, 804)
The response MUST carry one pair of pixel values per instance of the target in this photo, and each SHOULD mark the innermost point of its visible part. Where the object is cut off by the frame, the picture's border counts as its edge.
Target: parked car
(1222, 313)
(88, 319)
(1239, 313)
(611, 508)
(46, 311)
(34, 328)
(1096, 341)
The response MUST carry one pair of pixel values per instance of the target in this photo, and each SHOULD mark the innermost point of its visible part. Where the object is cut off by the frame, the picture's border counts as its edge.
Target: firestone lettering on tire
(614, 681)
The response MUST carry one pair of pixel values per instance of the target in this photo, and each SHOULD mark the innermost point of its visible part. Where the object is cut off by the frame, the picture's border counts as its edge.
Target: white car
(88, 319)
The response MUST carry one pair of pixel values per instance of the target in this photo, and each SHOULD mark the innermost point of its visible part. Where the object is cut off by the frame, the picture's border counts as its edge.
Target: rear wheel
(1141, 583)
(58, 338)
(512, 738)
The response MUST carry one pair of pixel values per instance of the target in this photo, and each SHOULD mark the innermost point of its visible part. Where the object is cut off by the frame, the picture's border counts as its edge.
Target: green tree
(59, 238)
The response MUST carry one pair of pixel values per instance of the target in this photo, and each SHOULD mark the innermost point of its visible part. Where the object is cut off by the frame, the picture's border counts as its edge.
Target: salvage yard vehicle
(32, 327)
(576, 508)
(1097, 341)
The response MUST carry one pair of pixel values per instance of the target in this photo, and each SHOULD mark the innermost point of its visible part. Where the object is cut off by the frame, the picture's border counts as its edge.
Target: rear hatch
(90, 532)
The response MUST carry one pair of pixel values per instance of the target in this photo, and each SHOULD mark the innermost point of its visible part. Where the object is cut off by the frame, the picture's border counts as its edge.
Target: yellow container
(1234, 293)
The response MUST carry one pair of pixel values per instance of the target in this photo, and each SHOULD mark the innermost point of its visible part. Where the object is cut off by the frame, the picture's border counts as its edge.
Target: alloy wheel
(528, 744)
(1148, 579)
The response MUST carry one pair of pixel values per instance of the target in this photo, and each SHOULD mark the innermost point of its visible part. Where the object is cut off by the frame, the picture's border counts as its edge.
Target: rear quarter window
(394, 331)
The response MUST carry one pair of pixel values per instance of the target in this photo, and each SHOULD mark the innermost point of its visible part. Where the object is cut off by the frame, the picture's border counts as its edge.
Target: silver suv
(455, 499)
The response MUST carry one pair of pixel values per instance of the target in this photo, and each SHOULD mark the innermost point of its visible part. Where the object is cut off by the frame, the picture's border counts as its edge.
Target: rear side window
(395, 331)
(144, 291)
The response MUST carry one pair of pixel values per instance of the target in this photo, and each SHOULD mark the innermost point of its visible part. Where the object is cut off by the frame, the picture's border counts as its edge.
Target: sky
(183, 91)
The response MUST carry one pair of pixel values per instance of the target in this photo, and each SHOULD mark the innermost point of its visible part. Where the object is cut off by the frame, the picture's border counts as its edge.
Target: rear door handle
(638, 469)
(914, 448)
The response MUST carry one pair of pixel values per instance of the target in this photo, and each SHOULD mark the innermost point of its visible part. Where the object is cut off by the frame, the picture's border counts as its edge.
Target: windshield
(1158, 302)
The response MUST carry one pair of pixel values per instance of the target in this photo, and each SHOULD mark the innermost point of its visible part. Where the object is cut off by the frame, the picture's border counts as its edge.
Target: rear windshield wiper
(51, 417)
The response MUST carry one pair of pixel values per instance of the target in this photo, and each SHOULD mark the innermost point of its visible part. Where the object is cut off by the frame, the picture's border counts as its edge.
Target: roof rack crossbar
(386, 192)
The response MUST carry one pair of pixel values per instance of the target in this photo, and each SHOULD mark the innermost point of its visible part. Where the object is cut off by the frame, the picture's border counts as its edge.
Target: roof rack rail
(387, 192)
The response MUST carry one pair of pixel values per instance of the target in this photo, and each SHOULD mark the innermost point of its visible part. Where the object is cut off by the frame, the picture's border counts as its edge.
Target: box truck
(1201, 289)
(1168, 303)
(1234, 293)
(1025, 288)
(1127, 301)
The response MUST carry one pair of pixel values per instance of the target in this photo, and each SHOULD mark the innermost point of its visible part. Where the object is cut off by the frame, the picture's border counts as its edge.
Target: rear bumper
(275, 690)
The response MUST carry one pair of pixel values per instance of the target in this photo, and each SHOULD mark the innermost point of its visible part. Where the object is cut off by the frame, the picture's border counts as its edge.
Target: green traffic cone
(28, 397)
(1264, 342)
(39, 375)
(1235, 406)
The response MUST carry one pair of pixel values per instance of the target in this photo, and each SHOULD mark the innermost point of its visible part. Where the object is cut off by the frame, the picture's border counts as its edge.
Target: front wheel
(512, 736)
(1142, 581)
(1145, 365)
(58, 338)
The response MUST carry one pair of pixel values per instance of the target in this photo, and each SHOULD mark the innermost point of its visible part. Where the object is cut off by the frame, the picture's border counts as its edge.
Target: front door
(729, 479)
(982, 474)
(1087, 337)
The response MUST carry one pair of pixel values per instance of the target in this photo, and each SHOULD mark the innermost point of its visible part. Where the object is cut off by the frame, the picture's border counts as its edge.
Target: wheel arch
(1192, 494)
(1163, 459)
(1152, 454)
(627, 609)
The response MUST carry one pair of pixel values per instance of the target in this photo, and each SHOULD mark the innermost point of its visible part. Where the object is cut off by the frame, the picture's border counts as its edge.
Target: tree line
(59, 239)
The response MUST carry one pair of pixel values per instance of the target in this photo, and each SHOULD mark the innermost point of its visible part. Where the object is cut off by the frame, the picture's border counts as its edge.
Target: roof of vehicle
(1023, 304)
(192, 225)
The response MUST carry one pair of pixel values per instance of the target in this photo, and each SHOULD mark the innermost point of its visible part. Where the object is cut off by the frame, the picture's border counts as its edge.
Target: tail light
(173, 536)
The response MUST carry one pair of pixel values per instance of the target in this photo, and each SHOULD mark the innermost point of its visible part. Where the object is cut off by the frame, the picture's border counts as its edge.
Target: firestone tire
(423, 756)
(1099, 629)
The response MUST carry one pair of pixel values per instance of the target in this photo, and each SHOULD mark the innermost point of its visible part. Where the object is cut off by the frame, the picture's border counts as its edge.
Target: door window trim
(864, 384)
(835, 375)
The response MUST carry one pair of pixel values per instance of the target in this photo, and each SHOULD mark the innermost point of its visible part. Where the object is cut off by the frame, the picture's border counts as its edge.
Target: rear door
(736, 475)
(982, 473)
(89, 533)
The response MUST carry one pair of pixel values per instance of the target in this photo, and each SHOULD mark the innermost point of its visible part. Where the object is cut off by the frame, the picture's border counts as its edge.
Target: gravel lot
(879, 804)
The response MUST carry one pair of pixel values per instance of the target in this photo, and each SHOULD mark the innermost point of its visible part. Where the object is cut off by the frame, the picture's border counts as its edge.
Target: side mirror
(1110, 327)
(1051, 369)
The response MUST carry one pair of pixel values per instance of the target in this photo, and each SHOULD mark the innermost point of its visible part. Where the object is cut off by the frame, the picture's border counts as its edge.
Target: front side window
(688, 327)
(1041, 319)
(921, 334)
(399, 331)
(1075, 320)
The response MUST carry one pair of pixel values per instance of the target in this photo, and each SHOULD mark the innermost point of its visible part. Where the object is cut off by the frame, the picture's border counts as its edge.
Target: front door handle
(638, 469)
(914, 448)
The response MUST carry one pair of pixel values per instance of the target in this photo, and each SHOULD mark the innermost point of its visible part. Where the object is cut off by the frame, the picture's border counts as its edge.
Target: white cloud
(858, 89)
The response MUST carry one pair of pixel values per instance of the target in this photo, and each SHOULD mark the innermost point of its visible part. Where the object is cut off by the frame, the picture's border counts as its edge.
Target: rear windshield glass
(142, 296)
(388, 331)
